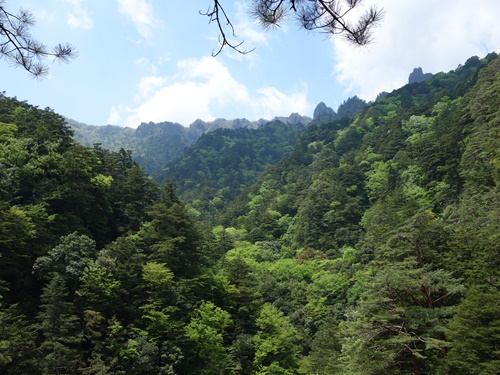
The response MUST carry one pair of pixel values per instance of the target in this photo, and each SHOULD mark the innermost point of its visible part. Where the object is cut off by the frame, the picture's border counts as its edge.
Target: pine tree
(60, 330)
(400, 323)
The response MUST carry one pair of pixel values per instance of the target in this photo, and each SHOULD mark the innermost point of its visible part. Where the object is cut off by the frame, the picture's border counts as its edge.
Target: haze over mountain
(155, 144)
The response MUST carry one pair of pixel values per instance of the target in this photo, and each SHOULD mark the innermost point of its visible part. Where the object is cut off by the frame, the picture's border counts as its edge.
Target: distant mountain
(351, 107)
(153, 145)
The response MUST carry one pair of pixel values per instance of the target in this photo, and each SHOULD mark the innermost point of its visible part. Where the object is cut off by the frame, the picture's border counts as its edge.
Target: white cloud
(435, 35)
(273, 102)
(249, 30)
(79, 17)
(204, 89)
(115, 114)
(140, 13)
(149, 85)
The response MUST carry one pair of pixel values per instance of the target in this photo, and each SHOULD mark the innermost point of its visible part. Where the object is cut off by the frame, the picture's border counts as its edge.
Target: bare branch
(214, 14)
(328, 16)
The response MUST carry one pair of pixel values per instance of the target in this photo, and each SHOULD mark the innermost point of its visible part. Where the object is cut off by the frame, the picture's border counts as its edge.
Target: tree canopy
(368, 244)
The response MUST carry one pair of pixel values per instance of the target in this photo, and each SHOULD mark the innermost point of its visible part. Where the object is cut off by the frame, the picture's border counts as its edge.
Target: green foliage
(206, 330)
(276, 349)
(350, 107)
(223, 162)
(60, 328)
(475, 330)
(17, 343)
(365, 245)
(399, 324)
(68, 259)
(176, 238)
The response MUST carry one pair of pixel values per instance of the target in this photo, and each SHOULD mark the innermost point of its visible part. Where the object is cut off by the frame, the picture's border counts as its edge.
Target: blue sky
(150, 60)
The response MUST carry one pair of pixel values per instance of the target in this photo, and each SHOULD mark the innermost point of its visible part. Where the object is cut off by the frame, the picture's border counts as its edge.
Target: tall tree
(276, 346)
(60, 329)
(400, 323)
(176, 240)
(206, 330)
(17, 342)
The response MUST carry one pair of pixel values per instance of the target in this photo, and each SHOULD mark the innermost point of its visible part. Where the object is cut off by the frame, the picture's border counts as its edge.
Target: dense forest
(362, 245)
(223, 162)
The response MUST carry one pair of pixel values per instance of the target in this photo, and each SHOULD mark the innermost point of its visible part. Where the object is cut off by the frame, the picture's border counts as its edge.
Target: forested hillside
(153, 145)
(370, 248)
(224, 162)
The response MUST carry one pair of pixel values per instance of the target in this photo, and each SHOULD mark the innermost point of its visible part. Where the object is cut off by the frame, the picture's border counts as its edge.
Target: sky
(151, 60)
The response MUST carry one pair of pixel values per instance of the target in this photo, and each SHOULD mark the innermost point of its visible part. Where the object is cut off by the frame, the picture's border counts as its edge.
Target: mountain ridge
(155, 144)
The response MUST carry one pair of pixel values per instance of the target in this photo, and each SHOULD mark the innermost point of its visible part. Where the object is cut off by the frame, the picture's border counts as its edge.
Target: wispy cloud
(436, 36)
(204, 89)
(141, 14)
(79, 17)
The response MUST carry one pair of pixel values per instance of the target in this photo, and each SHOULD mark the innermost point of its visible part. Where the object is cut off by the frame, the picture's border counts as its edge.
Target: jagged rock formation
(322, 111)
(418, 76)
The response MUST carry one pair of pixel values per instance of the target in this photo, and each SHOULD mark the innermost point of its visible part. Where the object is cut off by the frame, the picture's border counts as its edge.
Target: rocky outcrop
(322, 111)
(418, 76)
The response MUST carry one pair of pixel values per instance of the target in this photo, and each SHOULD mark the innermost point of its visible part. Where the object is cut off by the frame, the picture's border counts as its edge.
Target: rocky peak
(322, 110)
(418, 76)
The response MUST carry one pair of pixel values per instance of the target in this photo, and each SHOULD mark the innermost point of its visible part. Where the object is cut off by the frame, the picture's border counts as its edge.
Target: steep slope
(391, 199)
(224, 162)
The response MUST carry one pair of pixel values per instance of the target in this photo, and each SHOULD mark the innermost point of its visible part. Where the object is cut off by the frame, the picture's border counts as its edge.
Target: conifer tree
(60, 329)
(400, 323)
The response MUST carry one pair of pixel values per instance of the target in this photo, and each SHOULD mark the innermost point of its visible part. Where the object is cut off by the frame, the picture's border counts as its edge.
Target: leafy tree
(16, 234)
(206, 330)
(160, 304)
(68, 259)
(116, 288)
(17, 342)
(325, 351)
(475, 330)
(243, 299)
(176, 240)
(475, 227)
(400, 323)
(276, 349)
